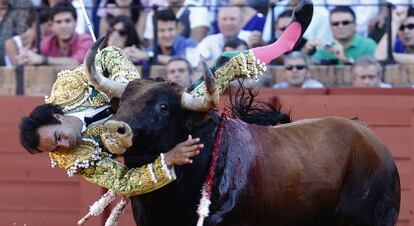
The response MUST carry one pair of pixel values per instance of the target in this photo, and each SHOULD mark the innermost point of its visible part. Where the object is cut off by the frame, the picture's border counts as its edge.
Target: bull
(327, 172)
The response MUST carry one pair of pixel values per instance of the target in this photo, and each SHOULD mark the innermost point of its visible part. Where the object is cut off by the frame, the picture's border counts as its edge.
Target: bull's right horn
(206, 102)
(100, 82)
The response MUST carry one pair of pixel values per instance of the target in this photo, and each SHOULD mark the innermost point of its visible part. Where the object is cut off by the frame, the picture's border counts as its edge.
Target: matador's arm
(111, 174)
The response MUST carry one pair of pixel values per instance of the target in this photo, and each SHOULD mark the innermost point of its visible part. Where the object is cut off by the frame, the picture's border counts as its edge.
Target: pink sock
(283, 44)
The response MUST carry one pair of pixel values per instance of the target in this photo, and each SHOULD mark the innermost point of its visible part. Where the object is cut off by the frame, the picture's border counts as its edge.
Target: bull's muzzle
(118, 136)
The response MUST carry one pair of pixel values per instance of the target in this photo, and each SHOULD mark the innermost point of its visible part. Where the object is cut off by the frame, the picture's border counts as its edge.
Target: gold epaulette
(70, 89)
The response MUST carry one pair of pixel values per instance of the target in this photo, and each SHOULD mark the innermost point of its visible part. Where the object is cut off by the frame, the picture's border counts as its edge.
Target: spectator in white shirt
(367, 72)
(194, 20)
(297, 72)
(229, 23)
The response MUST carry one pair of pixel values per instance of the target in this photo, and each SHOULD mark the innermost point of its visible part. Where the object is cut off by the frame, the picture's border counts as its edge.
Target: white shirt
(90, 112)
(19, 43)
(211, 47)
(199, 16)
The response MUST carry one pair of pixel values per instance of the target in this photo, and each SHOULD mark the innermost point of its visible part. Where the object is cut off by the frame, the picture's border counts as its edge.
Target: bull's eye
(163, 107)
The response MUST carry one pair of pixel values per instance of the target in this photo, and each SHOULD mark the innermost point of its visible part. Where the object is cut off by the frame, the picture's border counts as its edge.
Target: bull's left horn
(107, 86)
(206, 102)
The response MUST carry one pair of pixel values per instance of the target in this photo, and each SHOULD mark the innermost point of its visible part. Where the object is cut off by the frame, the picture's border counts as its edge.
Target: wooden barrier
(38, 80)
(34, 194)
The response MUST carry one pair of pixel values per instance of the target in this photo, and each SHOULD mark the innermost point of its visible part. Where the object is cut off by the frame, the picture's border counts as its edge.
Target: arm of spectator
(37, 59)
(103, 27)
(310, 47)
(379, 20)
(11, 51)
(398, 17)
(135, 54)
(163, 59)
(204, 49)
(339, 52)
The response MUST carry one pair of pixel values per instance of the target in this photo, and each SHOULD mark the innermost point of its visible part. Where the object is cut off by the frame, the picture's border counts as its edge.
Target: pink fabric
(78, 46)
(283, 44)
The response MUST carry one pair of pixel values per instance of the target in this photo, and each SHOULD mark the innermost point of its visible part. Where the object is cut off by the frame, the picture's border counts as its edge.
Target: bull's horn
(206, 102)
(105, 85)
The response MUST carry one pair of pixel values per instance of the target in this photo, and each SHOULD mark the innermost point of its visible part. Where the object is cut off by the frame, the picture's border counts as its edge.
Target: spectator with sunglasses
(122, 34)
(297, 73)
(348, 46)
(402, 35)
(367, 72)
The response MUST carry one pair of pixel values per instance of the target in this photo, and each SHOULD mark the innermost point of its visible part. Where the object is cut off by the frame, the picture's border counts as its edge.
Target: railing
(37, 81)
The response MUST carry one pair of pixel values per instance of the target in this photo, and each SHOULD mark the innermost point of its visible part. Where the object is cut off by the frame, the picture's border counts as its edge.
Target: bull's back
(298, 169)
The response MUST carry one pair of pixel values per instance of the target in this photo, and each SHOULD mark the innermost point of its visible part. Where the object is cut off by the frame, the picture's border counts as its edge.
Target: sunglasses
(408, 26)
(343, 23)
(298, 67)
(121, 32)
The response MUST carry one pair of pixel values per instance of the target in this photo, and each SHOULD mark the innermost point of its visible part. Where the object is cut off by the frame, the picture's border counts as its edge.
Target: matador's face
(59, 137)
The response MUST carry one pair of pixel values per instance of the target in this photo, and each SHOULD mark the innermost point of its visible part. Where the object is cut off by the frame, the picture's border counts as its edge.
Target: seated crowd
(175, 33)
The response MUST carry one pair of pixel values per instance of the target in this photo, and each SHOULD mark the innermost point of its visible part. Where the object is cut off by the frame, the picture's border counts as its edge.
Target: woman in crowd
(113, 8)
(16, 45)
(122, 34)
(402, 37)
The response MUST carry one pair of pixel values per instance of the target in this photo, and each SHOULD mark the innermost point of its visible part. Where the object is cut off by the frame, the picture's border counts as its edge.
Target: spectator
(147, 9)
(193, 20)
(122, 33)
(253, 21)
(402, 35)
(169, 42)
(179, 71)
(367, 72)
(114, 8)
(80, 22)
(297, 72)
(229, 23)
(318, 30)
(368, 13)
(18, 44)
(65, 46)
(348, 46)
(235, 45)
(13, 19)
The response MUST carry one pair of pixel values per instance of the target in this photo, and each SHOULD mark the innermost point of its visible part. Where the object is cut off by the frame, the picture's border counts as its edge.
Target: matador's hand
(182, 152)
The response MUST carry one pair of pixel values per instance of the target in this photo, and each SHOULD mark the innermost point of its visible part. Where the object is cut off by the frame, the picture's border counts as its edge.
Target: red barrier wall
(31, 193)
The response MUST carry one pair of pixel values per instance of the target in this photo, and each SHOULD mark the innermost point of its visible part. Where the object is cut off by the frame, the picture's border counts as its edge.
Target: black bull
(329, 171)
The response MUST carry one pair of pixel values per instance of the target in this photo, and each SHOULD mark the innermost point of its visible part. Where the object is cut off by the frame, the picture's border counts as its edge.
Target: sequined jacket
(72, 93)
